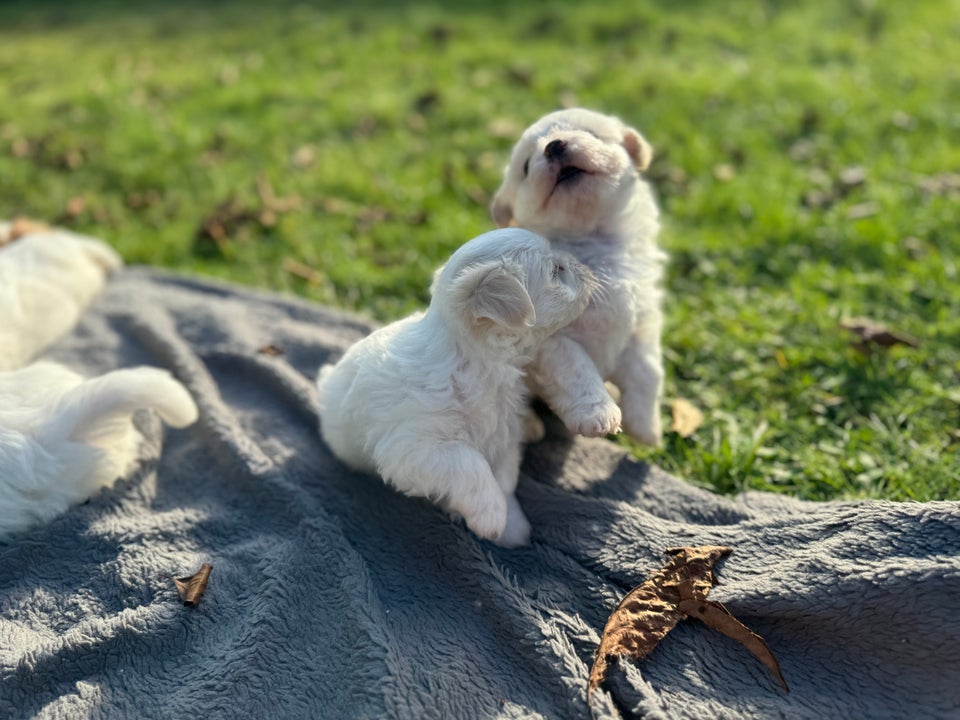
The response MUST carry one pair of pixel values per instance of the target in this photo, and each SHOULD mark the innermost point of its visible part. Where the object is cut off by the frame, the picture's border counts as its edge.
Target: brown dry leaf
(724, 172)
(649, 611)
(828, 189)
(271, 350)
(302, 271)
(946, 184)
(872, 333)
(687, 417)
(269, 201)
(222, 222)
(676, 591)
(191, 587)
(715, 615)
(230, 214)
(861, 211)
(75, 206)
(851, 177)
(304, 157)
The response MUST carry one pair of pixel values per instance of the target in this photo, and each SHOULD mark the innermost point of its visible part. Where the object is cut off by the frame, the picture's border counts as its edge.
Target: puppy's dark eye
(558, 270)
(526, 167)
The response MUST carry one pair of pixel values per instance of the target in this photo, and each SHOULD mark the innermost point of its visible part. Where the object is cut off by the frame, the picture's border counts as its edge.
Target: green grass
(388, 126)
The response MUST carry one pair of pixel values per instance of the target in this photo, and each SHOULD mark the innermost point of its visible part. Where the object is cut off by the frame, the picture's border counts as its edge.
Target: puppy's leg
(507, 471)
(639, 375)
(458, 478)
(567, 379)
(533, 428)
(517, 531)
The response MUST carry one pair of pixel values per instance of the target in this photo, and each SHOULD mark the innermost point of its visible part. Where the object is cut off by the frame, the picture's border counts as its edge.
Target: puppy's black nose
(554, 149)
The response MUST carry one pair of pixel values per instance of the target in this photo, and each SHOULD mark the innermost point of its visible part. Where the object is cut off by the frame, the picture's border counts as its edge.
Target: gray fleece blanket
(332, 596)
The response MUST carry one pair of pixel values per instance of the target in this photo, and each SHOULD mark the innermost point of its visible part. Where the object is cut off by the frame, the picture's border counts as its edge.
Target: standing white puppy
(434, 403)
(574, 178)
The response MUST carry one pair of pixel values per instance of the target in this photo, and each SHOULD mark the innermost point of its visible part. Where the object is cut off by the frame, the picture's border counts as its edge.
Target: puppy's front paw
(517, 531)
(644, 427)
(650, 438)
(594, 420)
(488, 519)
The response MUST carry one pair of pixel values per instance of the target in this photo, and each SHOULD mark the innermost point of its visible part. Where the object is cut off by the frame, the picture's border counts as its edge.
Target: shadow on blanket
(333, 596)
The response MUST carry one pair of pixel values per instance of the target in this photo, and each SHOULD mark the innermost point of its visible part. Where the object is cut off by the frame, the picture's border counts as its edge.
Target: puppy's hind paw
(596, 420)
(517, 531)
(489, 520)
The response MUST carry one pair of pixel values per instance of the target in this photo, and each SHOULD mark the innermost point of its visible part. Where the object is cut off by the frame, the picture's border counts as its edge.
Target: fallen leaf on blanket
(271, 350)
(191, 588)
(677, 591)
(714, 615)
(871, 333)
(687, 417)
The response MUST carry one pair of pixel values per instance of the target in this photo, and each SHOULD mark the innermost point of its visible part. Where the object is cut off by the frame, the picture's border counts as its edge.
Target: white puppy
(574, 178)
(47, 277)
(63, 437)
(434, 403)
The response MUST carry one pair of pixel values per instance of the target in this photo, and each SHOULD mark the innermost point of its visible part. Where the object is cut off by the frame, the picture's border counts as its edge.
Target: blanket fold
(332, 596)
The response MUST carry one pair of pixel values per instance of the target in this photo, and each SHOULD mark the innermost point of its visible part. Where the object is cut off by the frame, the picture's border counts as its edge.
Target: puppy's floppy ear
(501, 297)
(491, 292)
(435, 281)
(501, 210)
(639, 149)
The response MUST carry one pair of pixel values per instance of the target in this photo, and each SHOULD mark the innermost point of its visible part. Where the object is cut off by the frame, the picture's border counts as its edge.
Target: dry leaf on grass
(687, 417)
(230, 214)
(650, 611)
(302, 271)
(946, 184)
(191, 587)
(872, 333)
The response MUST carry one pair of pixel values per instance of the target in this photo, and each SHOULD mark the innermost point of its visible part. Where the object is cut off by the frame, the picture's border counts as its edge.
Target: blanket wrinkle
(334, 596)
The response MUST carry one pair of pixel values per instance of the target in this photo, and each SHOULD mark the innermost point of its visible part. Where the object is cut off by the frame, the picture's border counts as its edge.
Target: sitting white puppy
(47, 277)
(573, 178)
(63, 437)
(434, 403)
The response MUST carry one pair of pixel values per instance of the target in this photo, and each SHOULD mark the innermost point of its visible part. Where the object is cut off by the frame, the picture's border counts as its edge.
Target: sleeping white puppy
(434, 403)
(47, 277)
(574, 178)
(63, 437)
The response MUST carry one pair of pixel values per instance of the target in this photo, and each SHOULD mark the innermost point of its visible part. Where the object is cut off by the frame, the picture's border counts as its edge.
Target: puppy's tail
(96, 405)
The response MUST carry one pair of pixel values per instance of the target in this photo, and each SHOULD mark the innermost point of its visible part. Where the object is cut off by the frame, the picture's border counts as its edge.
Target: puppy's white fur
(47, 278)
(434, 403)
(63, 437)
(573, 177)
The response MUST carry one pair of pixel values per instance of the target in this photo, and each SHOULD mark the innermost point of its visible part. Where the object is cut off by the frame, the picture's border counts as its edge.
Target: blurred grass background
(808, 167)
